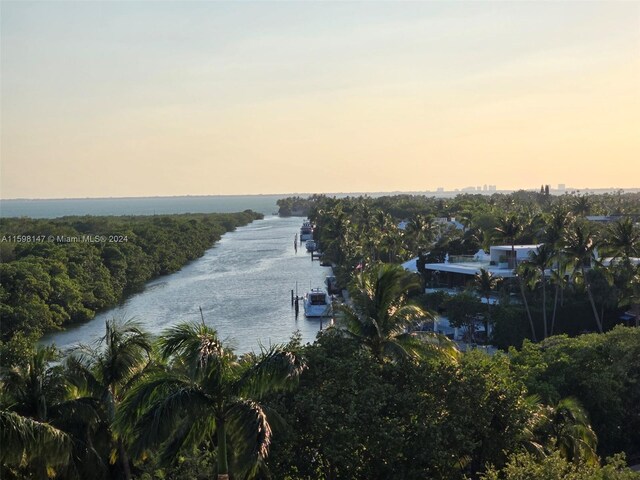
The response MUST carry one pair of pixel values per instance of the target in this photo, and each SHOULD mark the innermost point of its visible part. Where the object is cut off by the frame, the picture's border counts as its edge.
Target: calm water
(243, 285)
(53, 208)
(265, 204)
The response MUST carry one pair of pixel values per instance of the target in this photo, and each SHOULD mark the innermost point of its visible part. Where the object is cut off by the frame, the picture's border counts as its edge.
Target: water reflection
(243, 285)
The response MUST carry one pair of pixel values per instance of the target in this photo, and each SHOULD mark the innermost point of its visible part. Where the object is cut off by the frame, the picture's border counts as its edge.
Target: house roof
(411, 265)
(607, 261)
(516, 247)
(470, 268)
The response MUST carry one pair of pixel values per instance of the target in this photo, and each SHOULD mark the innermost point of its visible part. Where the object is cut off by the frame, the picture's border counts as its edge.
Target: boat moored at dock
(306, 231)
(317, 303)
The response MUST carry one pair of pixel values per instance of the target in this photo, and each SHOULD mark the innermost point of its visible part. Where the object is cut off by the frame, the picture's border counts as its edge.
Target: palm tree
(30, 388)
(623, 240)
(564, 427)
(525, 275)
(36, 384)
(207, 394)
(480, 236)
(389, 236)
(380, 316)
(41, 411)
(420, 230)
(559, 279)
(509, 227)
(579, 248)
(555, 225)
(28, 442)
(107, 370)
(541, 259)
(485, 283)
(582, 205)
(334, 233)
(572, 431)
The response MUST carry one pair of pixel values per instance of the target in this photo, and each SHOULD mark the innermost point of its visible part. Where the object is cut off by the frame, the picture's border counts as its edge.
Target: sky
(115, 99)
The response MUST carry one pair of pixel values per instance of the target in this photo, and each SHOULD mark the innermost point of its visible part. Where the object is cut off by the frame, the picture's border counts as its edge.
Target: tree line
(595, 271)
(51, 278)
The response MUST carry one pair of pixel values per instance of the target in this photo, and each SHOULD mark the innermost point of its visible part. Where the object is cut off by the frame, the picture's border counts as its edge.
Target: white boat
(311, 246)
(306, 231)
(317, 304)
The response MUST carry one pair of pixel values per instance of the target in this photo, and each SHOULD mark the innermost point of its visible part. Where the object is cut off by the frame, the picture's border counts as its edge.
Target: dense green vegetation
(602, 371)
(371, 397)
(112, 409)
(356, 232)
(583, 293)
(296, 206)
(381, 316)
(186, 407)
(352, 417)
(375, 404)
(64, 270)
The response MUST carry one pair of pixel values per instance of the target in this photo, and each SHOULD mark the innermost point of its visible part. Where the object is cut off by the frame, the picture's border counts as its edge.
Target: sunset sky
(161, 98)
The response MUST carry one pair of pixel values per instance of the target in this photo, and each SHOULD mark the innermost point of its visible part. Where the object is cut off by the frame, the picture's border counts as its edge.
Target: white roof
(481, 255)
(411, 265)
(470, 269)
(603, 218)
(516, 247)
(607, 261)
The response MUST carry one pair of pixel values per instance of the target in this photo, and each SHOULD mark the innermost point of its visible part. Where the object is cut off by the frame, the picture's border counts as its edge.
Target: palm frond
(380, 311)
(407, 316)
(126, 347)
(24, 439)
(199, 348)
(36, 383)
(81, 376)
(428, 345)
(84, 410)
(144, 393)
(163, 415)
(275, 369)
(249, 436)
(187, 435)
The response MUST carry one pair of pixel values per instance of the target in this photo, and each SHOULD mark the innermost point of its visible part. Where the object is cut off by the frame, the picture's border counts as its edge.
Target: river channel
(243, 285)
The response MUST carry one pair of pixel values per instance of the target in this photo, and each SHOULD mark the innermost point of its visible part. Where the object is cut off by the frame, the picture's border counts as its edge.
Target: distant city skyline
(135, 99)
(436, 192)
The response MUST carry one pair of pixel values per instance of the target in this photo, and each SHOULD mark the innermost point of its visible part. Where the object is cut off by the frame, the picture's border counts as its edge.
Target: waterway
(243, 285)
(52, 208)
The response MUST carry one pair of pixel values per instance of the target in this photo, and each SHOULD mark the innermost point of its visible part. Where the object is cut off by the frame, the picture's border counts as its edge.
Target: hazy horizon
(146, 99)
(553, 190)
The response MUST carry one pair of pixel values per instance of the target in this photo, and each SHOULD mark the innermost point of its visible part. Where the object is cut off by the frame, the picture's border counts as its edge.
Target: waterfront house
(459, 270)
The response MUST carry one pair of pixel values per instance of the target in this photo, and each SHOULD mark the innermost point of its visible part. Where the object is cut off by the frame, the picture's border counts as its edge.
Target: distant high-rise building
(440, 189)
(562, 187)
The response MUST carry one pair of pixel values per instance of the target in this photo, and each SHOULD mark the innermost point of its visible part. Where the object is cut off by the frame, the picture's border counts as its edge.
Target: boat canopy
(318, 298)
